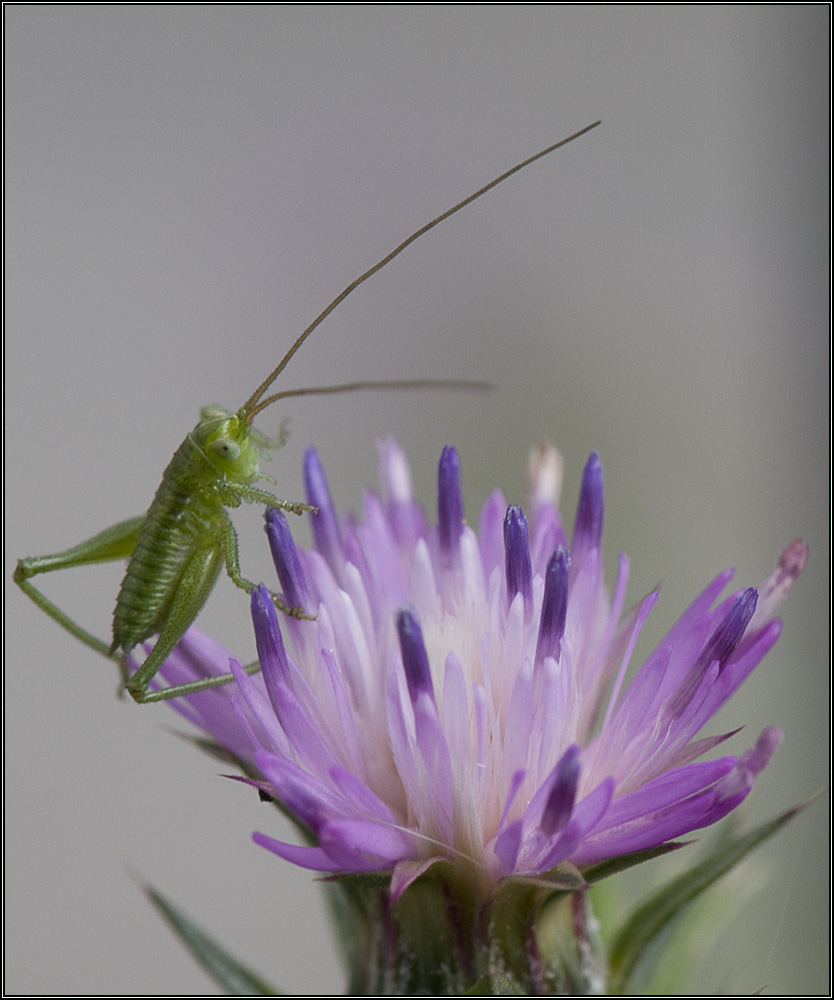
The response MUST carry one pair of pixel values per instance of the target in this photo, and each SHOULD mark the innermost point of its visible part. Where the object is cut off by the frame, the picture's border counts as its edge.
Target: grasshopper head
(224, 439)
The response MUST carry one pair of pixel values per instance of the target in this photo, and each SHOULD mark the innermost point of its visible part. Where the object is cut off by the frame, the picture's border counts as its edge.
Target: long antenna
(254, 404)
(399, 384)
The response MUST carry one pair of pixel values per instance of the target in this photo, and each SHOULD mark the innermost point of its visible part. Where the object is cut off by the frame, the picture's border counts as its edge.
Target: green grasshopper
(176, 550)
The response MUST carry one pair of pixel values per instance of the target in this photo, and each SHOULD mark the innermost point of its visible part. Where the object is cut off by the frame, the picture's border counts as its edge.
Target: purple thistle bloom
(462, 697)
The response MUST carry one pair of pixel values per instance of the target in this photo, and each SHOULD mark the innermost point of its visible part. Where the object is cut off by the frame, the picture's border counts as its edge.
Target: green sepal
(223, 967)
(650, 918)
(435, 922)
(354, 903)
(495, 986)
(565, 877)
(361, 880)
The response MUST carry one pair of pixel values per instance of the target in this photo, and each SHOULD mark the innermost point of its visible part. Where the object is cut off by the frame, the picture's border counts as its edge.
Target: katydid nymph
(176, 550)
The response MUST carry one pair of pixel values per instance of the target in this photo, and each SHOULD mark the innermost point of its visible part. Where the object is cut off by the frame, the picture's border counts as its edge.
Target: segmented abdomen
(184, 516)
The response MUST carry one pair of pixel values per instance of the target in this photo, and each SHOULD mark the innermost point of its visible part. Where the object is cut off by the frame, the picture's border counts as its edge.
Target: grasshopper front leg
(109, 545)
(235, 492)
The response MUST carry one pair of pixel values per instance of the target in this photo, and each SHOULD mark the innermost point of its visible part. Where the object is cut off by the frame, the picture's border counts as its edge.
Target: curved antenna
(422, 383)
(254, 404)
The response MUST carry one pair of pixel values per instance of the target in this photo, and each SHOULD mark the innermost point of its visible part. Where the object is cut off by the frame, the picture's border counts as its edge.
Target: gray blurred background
(188, 186)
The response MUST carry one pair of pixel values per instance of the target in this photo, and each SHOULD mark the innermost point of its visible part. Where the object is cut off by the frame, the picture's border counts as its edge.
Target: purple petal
(361, 796)
(559, 805)
(305, 857)
(309, 735)
(354, 843)
(437, 801)
(287, 559)
(307, 798)
(325, 524)
(449, 500)
(697, 609)
(507, 846)
(651, 832)
(384, 576)
(456, 713)
(491, 532)
(666, 791)
(718, 649)
(671, 805)
(750, 765)
(268, 640)
(519, 729)
(587, 530)
(394, 473)
(259, 706)
(554, 607)
(741, 666)
(518, 572)
(544, 474)
(586, 815)
(415, 657)
(777, 586)
(408, 522)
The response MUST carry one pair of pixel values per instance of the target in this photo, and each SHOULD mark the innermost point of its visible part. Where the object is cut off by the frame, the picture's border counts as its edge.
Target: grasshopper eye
(226, 448)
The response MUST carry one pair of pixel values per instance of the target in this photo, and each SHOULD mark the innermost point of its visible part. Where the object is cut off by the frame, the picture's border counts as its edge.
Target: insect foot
(300, 508)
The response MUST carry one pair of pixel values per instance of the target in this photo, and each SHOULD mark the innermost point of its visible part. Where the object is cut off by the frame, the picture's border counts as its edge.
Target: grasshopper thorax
(225, 440)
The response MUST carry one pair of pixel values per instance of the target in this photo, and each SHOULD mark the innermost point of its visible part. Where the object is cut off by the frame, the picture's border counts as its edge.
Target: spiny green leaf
(652, 916)
(611, 866)
(223, 968)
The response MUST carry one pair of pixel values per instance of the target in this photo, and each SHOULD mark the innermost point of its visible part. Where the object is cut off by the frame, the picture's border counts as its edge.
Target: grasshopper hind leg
(117, 542)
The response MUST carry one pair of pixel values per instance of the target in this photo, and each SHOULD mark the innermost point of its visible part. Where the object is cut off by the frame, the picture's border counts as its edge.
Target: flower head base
(462, 697)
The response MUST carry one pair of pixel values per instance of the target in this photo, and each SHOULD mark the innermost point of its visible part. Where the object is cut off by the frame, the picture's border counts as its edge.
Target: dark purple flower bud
(517, 559)
(554, 605)
(587, 529)
(449, 500)
(325, 524)
(562, 796)
(720, 647)
(287, 560)
(415, 657)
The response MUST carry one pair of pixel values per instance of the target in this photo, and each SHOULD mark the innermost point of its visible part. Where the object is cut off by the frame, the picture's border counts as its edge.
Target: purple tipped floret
(287, 560)
(517, 566)
(719, 648)
(554, 606)
(729, 633)
(268, 640)
(413, 649)
(325, 524)
(587, 529)
(560, 801)
(449, 500)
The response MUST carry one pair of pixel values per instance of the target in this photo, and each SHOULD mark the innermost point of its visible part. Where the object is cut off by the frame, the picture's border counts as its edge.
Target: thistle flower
(460, 702)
